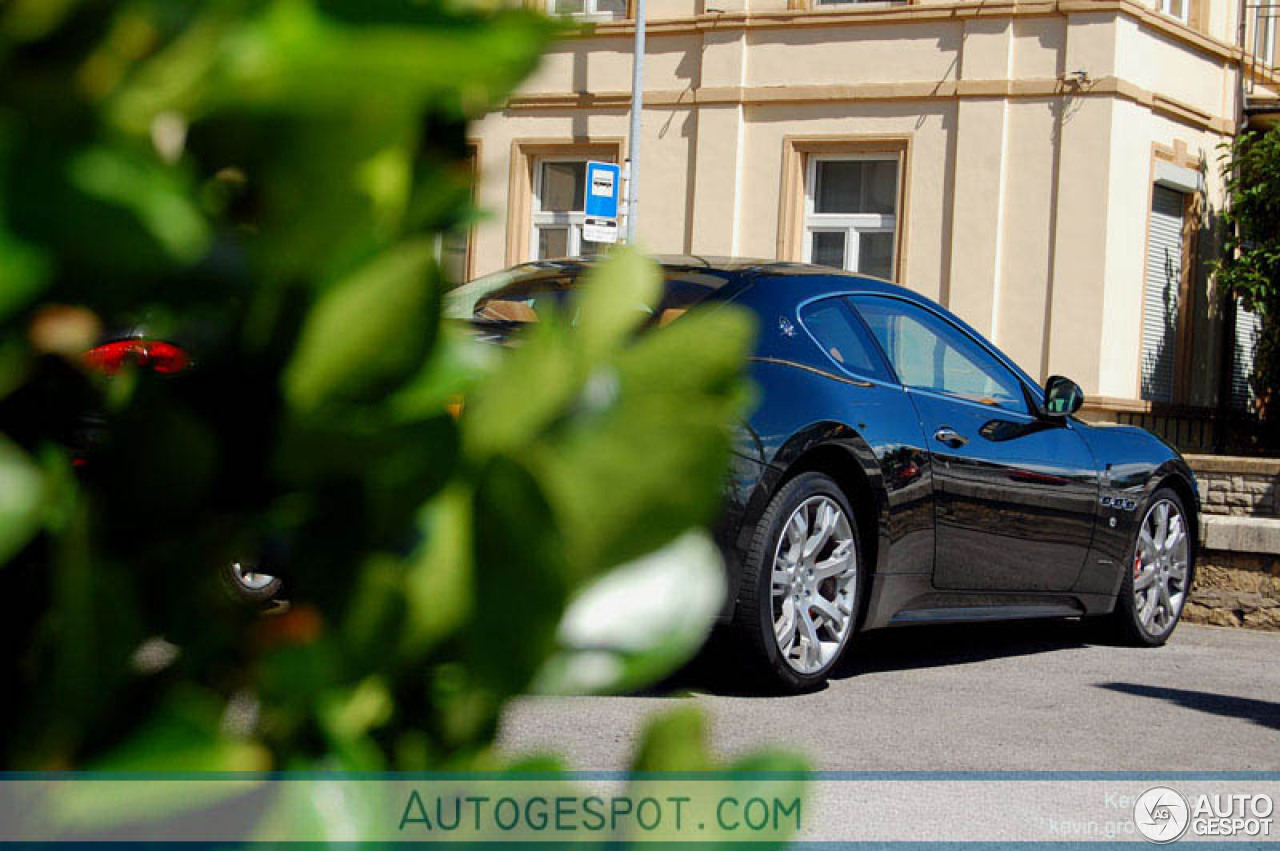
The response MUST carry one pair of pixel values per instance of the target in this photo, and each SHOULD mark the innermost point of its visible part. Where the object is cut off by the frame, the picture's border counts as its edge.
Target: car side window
(930, 353)
(841, 336)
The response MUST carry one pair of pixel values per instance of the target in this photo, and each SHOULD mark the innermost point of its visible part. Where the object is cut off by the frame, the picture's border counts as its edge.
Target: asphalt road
(1030, 696)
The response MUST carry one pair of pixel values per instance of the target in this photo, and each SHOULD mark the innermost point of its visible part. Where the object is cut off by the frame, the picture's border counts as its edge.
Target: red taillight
(155, 355)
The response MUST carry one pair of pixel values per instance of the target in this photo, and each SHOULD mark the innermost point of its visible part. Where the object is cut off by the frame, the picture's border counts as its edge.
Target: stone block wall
(1236, 590)
(1238, 571)
(1240, 487)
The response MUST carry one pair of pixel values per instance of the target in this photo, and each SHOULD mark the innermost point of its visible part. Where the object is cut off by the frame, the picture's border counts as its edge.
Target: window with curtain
(1175, 8)
(851, 205)
(559, 199)
(1264, 31)
(589, 8)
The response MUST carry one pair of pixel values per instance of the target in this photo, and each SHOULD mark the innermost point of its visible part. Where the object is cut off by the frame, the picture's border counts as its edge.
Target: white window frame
(590, 12)
(1165, 7)
(1264, 32)
(571, 220)
(828, 4)
(852, 224)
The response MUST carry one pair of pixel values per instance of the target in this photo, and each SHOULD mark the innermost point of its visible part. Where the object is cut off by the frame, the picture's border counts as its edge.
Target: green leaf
(185, 733)
(616, 297)
(23, 274)
(675, 740)
(521, 581)
(155, 195)
(292, 58)
(773, 775)
(640, 621)
(457, 365)
(710, 347)
(181, 734)
(678, 420)
(375, 619)
(349, 714)
(531, 389)
(438, 587)
(22, 492)
(367, 331)
(613, 508)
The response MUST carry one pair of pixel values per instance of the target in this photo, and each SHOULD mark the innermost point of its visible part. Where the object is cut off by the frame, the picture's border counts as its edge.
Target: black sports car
(899, 469)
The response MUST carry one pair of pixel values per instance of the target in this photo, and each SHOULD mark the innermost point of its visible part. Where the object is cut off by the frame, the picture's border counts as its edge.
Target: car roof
(793, 282)
(753, 267)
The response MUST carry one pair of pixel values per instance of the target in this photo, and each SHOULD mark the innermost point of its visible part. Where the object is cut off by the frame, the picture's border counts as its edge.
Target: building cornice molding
(1106, 87)
(790, 18)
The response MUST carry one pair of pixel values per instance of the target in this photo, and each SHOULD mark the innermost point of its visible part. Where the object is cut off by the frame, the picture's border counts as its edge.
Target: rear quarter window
(842, 339)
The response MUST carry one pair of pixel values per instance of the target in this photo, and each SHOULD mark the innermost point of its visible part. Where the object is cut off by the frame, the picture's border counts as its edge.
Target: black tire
(249, 592)
(1125, 622)
(754, 615)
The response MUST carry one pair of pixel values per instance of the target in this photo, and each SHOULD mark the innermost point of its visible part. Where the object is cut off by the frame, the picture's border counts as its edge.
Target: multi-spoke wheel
(1160, 572)
(815, 571)
(801, 582)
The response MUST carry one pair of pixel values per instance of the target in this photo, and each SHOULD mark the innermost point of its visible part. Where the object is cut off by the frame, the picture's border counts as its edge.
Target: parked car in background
(245, 574)
(899, 469)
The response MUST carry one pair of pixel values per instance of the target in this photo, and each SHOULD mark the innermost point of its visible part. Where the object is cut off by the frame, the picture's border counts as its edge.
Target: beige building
(1047, 170)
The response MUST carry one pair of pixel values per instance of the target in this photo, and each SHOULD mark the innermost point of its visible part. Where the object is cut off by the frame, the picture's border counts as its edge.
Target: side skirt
(904, 599)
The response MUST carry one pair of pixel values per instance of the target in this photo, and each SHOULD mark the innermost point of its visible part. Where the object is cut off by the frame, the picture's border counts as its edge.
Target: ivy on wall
(1249, 269)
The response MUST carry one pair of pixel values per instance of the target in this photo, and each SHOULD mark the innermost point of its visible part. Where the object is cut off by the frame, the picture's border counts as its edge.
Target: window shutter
(1161, 294)
(1248, 329)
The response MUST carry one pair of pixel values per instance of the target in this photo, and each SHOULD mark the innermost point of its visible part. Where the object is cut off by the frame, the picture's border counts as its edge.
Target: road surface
(1030, 696)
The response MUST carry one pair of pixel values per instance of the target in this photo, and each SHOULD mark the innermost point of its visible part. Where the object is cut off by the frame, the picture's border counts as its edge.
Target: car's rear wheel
(801, 582)
(1159, 573)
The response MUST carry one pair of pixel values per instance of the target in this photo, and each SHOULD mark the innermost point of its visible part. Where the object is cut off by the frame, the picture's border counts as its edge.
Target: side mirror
(1062, 397)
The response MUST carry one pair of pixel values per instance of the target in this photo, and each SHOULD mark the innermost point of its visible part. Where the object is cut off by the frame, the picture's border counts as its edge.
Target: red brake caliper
(1137, 565)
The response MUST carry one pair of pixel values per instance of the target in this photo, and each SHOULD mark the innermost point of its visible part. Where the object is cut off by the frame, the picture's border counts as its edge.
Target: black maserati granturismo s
(899, 469)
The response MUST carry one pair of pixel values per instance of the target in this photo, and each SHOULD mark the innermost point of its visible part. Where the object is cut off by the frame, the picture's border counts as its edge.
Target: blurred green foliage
(262, 181)
(1249, 269)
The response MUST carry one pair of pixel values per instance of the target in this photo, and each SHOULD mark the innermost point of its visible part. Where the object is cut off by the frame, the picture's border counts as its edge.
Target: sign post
(633, 138)
(601, 223)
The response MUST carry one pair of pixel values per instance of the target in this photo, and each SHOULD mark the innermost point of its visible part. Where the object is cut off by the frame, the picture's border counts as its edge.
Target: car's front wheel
(801, 582)
(1159, 574)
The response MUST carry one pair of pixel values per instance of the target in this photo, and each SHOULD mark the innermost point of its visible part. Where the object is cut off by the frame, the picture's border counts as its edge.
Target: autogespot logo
(1161, 814)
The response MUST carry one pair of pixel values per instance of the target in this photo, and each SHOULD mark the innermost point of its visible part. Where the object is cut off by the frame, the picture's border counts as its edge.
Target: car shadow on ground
(717, 669)
(1262, 712)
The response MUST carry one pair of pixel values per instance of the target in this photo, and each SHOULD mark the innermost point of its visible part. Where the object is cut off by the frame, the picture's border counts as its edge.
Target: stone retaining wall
(1238, 574)
(1241, 487)
(1236, 589)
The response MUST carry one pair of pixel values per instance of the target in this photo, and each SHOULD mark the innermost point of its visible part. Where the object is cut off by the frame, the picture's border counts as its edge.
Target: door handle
(951, 437)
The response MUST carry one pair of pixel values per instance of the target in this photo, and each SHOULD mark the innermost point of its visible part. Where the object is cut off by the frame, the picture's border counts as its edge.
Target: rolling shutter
(1160, 296)
(1248, 329)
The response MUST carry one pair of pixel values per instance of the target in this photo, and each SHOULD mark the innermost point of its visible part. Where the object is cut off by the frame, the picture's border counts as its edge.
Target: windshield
(527, 292)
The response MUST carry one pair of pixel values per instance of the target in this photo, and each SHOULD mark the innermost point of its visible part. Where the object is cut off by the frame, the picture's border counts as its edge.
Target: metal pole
(637, 107)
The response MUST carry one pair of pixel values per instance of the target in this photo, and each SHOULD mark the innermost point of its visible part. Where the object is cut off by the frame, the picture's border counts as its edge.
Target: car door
(1015, 494)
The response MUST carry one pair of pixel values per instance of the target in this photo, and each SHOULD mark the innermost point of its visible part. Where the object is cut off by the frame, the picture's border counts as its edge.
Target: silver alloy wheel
(249, 578)
(815, 574)
(1161, 565)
